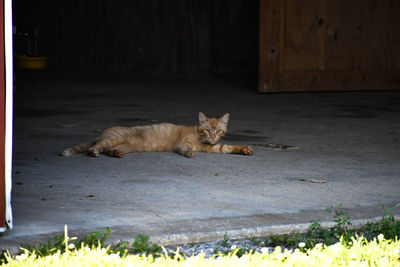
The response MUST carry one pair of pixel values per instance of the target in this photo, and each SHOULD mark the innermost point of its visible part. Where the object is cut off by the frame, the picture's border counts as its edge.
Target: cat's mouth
(208, 141)
(212, 142)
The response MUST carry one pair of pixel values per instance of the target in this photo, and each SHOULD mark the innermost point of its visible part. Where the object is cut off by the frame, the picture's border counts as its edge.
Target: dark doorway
(178, 37)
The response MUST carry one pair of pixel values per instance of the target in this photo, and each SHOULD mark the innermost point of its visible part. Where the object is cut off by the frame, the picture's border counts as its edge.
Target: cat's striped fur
(186, 140)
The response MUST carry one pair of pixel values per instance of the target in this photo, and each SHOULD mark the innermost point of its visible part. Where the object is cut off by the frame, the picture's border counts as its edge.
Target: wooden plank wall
(331, 45)
(175, 36)
(271, 22)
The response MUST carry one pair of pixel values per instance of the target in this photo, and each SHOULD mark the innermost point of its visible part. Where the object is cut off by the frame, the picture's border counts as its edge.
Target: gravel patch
(213, 248)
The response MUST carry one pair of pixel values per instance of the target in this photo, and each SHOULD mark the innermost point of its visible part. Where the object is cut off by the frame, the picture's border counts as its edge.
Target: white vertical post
(9, 77)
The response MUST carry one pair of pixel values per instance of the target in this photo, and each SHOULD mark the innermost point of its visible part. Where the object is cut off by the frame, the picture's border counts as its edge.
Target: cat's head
(212, 129)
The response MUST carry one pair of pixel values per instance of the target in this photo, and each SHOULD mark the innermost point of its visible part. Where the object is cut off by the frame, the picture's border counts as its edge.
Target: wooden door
(324, 45)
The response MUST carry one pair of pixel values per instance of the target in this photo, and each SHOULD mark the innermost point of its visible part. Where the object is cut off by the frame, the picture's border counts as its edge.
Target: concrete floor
(348, 153)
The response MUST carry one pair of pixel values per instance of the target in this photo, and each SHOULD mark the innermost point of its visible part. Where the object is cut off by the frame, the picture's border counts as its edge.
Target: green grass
(387, 226)
(315, 239)
(361, 252)
(58, 244)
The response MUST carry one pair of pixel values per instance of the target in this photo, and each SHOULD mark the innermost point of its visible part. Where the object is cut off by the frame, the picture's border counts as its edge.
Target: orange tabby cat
(186, 140)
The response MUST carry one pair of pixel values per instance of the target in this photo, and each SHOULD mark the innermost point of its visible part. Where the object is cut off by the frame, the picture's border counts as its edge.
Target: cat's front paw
(247, 150)
(190, 154)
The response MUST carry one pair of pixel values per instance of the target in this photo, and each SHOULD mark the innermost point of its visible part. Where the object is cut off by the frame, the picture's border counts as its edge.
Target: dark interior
(176, 37)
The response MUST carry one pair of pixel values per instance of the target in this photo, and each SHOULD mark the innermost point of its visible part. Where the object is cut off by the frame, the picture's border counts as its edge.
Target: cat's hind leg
(100, 146)
(94, 151)
(118, 151)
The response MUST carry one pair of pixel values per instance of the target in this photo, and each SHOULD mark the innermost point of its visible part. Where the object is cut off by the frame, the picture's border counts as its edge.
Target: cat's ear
(202, 118)
(224, 119)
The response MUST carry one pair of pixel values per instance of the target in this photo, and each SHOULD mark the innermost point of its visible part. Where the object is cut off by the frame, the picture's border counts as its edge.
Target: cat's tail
(76, 149)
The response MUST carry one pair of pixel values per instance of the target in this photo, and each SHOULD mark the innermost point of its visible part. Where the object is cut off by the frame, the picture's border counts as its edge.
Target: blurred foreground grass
(360, 252)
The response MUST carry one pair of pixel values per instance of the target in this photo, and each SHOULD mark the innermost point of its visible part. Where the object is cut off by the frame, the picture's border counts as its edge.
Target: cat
(186, 140)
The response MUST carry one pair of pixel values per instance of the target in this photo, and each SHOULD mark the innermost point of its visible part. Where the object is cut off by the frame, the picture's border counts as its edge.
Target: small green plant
(388, 226)
(239, 252)
(341, 229)
(286, 240)
(254, 241)
(315, 234)
(122, 248)
(95, 238)
(325, 236)
(142, 245)
(314, 228)
(225, 242)
(216, 251)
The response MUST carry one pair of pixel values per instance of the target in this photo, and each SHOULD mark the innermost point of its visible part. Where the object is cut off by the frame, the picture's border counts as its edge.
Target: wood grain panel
(363, 35)
(340, 45)
(304, 35)
(339, 81)
(271, 24)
